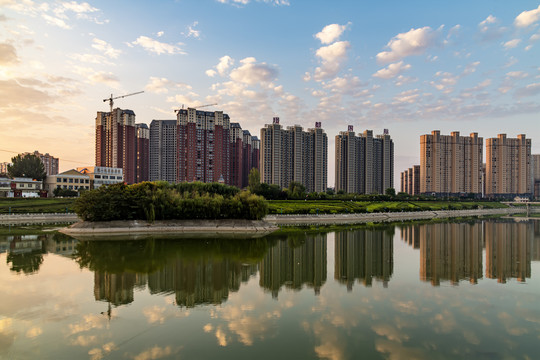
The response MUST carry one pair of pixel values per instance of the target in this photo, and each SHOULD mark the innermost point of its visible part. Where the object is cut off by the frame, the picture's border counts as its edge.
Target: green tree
(27, 166)
(390, 192)
(254, 180)
(296, 190)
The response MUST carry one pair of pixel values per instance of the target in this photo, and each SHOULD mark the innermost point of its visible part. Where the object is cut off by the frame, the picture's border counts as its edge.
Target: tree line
(160, 200)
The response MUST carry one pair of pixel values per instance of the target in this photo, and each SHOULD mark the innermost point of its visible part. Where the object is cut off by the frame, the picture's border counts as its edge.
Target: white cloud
(105, 48)
(489, 30)
(332, 57)
(535, 37)
(157, 47)
(98, 77)
(8, 54)
(511, 43)
(471, 68)
(529, 90)
(76, 7)
(90, 58)
(453, 31)
(154, 353)
(444, 82)
(192, 32)
(489, 20)
(331, 33)
(392, 70)
(187, 99)
(162, 85)
(55, 21)
(527, 18)
(225, 63)
(160, 33)
(252, 73)
(413, 42)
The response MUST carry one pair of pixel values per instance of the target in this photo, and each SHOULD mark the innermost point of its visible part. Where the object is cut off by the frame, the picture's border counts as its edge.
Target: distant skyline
(411, 67)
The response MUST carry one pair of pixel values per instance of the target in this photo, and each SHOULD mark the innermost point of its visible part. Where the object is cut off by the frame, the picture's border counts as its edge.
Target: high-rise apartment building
(211, 149)
(292, 154)
(163, 150)
(364, 164)
(50, 163)
(535, 175)
(143, 153)
(250, 155)
(4, 167)
(450, 164)
(508, 166)
(116, 142)
(410, 180)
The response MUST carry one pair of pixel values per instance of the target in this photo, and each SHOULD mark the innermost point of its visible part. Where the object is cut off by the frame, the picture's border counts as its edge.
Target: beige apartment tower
(293, 154)
(508, 166)
(410, 180)
(450, 164)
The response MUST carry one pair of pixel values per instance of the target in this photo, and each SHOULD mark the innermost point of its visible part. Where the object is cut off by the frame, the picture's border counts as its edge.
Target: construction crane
(198, 107)
(111, 102)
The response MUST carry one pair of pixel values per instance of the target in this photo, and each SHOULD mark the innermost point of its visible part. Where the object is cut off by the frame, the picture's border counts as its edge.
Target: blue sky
(409, 66)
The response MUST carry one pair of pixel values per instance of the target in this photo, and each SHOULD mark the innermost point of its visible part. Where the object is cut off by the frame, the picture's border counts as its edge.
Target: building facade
(536, 175)
(450, 165)
(116, 142)
(410, 180)
(163, 150)
(508, 167)
(209, 148)
(100, 175)
(142, 171)
(70, 180)
(4, 167)
(292, 154)
(50, 163)
(364, 164)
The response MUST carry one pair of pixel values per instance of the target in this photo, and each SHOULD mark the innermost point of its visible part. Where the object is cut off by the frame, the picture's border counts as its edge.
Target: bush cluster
(160, 200)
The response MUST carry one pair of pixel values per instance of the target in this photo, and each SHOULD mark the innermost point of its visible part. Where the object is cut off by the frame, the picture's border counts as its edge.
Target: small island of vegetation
(151, 201)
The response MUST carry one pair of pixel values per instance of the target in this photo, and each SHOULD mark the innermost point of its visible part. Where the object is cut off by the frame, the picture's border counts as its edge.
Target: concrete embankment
(336, 219)
(176, 228)
(38, 219)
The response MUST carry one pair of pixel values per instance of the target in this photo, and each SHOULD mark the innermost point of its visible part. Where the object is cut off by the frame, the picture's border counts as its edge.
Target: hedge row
(152, 201)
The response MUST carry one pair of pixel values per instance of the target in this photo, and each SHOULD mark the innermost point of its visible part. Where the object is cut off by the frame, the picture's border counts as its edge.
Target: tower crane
(111, 102)
(198, 107)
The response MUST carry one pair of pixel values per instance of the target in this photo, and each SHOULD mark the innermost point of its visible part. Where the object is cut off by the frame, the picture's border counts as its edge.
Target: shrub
(152, 201)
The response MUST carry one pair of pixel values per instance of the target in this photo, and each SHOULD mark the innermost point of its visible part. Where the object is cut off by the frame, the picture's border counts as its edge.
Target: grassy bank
(36, 205)
(344, 207)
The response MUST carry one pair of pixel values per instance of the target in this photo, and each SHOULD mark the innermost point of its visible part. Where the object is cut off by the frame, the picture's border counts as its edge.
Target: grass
(36, 205)
(344, 207)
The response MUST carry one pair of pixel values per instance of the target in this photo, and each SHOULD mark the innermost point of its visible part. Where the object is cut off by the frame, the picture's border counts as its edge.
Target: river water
(423, 291)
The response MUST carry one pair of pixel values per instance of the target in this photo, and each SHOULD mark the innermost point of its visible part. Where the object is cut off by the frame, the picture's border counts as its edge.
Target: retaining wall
(331, 219)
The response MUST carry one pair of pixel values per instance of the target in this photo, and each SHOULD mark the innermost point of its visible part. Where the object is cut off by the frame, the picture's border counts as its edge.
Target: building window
(70, 181)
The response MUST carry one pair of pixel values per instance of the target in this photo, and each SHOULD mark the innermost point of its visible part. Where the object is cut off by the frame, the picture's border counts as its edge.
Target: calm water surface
(449, 290)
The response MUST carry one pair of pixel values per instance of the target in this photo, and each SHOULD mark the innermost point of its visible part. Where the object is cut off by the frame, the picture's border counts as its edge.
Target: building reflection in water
(508, 250)
(453, 251)
(299, 260)
(200, 281)
(364, 255)
(25, 252)
(195, 271)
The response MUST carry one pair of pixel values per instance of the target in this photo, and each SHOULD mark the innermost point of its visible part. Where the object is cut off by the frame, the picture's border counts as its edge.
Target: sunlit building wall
(450, 164)
(508, 166)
